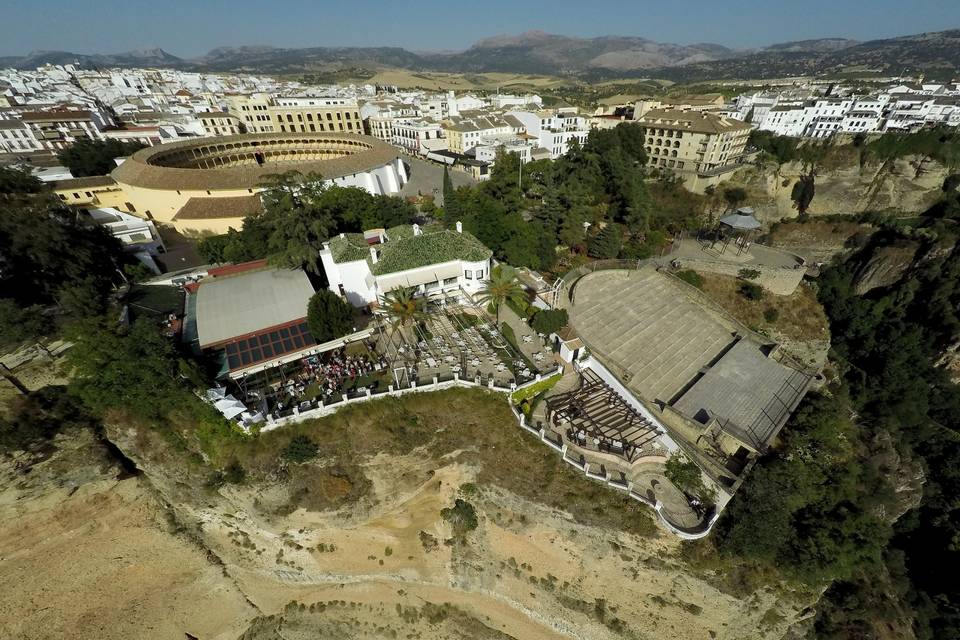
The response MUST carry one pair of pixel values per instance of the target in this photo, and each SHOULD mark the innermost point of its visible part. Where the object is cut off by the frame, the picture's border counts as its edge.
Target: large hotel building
(260, 113)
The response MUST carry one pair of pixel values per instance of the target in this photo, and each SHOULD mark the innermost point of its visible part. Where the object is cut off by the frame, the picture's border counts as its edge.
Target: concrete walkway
(757, 254)
(536, 344)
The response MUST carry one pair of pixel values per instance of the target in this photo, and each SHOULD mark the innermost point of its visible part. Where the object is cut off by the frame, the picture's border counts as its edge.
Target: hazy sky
(193, 27)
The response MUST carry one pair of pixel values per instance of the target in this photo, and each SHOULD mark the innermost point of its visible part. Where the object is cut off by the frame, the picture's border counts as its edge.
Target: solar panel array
(268, 345)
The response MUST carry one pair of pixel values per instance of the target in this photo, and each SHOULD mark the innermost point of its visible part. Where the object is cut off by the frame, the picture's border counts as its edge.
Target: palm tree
(402, 308)
(502, 287)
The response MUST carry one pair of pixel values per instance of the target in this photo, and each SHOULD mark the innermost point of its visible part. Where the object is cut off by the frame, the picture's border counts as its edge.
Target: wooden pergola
(599, 417)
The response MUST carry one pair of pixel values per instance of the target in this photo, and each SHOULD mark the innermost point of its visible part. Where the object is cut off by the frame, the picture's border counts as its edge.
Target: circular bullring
(244, 161)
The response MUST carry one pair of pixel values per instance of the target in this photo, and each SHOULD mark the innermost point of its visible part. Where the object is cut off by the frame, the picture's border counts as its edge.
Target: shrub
(461, 516)
(685, 475)
(691, 277)
(771, 315)
(234, 473)
(300, 449)
(751, 291)
(748, 274)
(550, 320)
(507, 332)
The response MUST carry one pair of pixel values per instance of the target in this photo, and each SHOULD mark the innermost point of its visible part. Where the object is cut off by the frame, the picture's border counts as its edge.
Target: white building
(364, 267)
(554, 129)
(467, 130)
(486, 150)
(507, 101)
(415, 134)
(57, 130)
(17, 137)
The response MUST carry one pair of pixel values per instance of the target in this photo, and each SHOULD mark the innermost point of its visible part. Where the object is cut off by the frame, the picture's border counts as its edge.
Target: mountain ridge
(541, 53)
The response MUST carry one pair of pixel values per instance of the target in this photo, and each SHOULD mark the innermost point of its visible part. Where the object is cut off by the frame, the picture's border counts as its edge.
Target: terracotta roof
(142, 169)
(82, 183)
(55, 116)
(210, 208)
(234, 269)
(695, 121)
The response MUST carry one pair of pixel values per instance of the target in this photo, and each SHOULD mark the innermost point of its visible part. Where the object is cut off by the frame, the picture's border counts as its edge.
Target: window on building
(468, 274)
(479, 274)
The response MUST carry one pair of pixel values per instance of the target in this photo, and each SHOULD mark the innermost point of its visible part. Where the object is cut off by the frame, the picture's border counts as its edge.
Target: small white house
(568, 344)
(364, 266)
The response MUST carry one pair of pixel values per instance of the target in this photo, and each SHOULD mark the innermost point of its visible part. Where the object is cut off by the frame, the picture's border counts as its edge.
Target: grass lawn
(799, 315)
(478, 424)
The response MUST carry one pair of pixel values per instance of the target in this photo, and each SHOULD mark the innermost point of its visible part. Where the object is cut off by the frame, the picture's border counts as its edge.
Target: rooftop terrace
(403, 250)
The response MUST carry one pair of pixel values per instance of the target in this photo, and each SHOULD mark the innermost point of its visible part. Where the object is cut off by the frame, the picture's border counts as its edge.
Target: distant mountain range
(536, 52)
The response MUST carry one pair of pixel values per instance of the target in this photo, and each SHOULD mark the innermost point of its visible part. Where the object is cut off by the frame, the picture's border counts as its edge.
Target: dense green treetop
(329, 316)
(87, 157)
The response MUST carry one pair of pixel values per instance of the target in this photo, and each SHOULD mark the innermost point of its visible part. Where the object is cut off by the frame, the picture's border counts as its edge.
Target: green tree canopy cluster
(132, 368)
(300, 214)
(49, 257)
(595, 187)
(806, 510)
(88, 157)
(816, 508)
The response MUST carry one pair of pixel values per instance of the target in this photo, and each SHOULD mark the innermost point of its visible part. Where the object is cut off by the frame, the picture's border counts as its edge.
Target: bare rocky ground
(84, 554)
(87, 552)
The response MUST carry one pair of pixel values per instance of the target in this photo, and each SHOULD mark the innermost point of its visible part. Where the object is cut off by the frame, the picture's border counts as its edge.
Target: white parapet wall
(457, 382)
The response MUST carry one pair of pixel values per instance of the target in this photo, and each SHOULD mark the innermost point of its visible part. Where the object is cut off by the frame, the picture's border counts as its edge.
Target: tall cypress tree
(451, 206)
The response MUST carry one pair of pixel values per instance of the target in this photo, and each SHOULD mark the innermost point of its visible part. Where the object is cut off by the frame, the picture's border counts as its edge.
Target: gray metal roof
(742, 219)
(233, 306)
(750, 393)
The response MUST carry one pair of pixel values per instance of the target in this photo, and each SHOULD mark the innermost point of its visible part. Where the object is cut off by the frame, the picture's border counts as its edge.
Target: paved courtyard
(643, 323)
(756, 255)
(426, 178)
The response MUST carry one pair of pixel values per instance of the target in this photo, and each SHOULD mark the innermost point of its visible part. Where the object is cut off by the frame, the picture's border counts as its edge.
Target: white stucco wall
(384, 180)
(475, 284)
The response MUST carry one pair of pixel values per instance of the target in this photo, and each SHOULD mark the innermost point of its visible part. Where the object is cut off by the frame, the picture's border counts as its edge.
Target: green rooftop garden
(350, 247)
(405, 251)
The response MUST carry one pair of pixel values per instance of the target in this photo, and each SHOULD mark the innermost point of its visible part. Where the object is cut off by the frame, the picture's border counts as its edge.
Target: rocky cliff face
(885, 266)
(908, 185)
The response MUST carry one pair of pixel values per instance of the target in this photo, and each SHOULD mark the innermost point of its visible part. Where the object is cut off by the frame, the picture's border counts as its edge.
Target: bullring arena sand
(84, 554)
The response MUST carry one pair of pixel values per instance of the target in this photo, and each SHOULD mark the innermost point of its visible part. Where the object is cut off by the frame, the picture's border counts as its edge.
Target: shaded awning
(230, 407)
(417, 277)
(743, 219)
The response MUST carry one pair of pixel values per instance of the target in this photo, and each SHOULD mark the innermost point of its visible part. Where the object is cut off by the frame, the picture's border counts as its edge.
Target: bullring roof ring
(230, 162)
